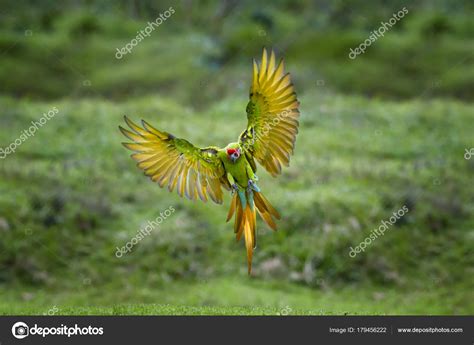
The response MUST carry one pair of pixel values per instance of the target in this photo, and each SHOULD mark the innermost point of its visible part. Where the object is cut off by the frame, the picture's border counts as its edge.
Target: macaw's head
(233, 152)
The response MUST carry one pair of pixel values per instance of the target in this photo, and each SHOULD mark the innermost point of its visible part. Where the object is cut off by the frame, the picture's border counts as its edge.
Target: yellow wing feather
(176, 163)
(272, 114)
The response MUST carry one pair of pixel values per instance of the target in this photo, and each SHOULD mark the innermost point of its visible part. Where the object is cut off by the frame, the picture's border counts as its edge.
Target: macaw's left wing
(272, 114)
(175, 162)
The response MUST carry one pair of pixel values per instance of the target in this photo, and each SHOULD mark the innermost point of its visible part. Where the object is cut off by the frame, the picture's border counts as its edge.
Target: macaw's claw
(235, 188)
(253, 185)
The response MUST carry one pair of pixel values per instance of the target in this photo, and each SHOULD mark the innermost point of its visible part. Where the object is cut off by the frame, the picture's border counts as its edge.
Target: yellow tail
(245, 219)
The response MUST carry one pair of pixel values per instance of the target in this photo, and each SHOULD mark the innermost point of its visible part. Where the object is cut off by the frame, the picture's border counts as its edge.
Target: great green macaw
(272, 114)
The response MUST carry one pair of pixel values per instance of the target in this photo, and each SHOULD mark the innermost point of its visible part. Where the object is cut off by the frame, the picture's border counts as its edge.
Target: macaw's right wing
(272, 114)
(175, 162)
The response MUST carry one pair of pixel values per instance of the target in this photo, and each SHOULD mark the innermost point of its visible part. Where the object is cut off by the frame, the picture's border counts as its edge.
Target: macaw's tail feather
(245, 218)
(266, 210)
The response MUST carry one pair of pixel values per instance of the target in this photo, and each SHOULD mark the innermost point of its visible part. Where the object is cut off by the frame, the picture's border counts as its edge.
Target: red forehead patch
(231, 151)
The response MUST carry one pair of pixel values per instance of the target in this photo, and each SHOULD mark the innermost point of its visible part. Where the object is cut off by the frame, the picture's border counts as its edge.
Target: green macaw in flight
(269, 138)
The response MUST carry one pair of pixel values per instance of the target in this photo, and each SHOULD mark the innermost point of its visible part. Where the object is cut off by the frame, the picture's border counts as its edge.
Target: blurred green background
(387, 129)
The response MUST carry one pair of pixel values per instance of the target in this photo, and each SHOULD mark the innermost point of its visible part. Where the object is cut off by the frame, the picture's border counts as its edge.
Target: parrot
(269, 138)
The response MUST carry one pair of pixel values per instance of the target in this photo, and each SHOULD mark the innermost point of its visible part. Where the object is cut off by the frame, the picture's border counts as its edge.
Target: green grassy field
(251, 298)
(386, 130)
(356, 162)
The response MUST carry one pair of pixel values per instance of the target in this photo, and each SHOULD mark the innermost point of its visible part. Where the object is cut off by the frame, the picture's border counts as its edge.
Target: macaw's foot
(234, 188)
(252, 186)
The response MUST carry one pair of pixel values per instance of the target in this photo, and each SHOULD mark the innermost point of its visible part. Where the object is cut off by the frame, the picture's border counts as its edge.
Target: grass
(250, 298)
(350, 171)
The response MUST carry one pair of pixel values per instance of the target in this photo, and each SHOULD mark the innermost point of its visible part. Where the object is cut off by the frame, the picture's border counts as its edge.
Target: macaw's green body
(239, 172)
(269, 138)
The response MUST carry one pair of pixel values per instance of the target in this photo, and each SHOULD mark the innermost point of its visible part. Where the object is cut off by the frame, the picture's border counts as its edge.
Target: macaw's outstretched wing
(272, 114)
(176, 163)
